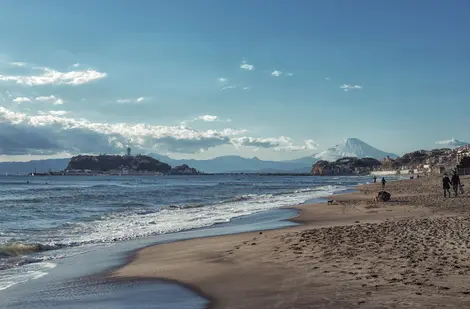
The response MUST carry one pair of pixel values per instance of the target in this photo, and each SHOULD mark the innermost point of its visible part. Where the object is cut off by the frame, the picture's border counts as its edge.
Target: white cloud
(290, 74)
(307, 145)
(76, 65)
(20, 100)
(208, 118)
(81, 135)
(327, 78)
(227, 87)
(53, 77)
(137, 100)
(246, 88)
(276, 73)
(222, 80)
(347, 87)
(50, 99)
(281, 143)
(58, 113)
(246, 66)
(18, 64)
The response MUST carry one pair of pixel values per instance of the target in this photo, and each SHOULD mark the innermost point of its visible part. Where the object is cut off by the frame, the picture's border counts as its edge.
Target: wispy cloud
(18, 64)
(208, 118)
(228, 87)
(50, 99)
(58, 113)
(281, 143)
(20, 100)
(137, 100)
(276, 73)
(222, 80)
(246, 66)
(327, 78)
(205, 118)
(76, 65)
(347, 87)
(53, 77)
(290, 74)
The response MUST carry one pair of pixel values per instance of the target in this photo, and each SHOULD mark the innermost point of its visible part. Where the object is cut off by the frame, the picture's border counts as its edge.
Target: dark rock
(184, 170)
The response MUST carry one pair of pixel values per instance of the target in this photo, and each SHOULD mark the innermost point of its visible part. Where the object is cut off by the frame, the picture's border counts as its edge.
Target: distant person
(383, 182)
(455, 183)
(446, 185)
(375, 179)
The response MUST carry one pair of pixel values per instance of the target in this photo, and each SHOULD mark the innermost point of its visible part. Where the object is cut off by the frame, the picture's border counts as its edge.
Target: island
(123, 165)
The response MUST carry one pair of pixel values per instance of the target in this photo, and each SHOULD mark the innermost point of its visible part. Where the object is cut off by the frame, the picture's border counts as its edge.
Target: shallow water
(47, 220)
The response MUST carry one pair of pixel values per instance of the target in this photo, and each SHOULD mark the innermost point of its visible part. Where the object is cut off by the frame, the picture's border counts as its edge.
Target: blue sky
(197, 79)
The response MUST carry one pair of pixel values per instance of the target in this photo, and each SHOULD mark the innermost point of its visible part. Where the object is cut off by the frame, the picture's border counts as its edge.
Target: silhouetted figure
(455, 183)
(375, 179)
(446, 185)
(383, 182)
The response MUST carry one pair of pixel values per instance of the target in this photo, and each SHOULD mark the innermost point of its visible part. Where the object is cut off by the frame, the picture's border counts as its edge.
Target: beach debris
(331, 202)
(383, 196)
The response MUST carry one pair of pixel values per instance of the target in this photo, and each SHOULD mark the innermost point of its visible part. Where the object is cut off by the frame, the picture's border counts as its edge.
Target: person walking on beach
(446, 185)
(375, 179)
(383, 182)
(455, 183)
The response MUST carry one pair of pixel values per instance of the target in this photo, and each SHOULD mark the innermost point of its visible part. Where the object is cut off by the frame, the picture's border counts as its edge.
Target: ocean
(46, 219)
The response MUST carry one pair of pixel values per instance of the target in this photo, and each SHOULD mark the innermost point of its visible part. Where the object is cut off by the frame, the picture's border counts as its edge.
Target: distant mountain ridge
(353, 147)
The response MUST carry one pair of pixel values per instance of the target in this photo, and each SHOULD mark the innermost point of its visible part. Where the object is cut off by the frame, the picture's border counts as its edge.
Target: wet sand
(410, 252)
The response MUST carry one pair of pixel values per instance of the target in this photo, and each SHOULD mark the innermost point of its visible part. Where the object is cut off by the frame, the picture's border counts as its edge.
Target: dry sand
(410, 252)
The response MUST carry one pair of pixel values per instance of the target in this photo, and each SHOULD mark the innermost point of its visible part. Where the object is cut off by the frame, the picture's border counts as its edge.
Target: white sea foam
(124, 226)
(25, 273)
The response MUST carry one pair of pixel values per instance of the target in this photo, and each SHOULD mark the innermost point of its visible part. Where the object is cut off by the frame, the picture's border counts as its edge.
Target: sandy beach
(410, 252)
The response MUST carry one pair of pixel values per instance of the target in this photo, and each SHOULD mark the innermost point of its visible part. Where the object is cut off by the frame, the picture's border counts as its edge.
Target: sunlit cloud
(20, 100)
(347, 87)
(228, 87)
(246, 66)
(18, 64)
(136, 100)
(276, 73)
(50, 99)
(52, 77)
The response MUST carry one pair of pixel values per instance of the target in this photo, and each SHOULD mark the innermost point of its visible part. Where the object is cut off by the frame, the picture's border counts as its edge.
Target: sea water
(44, 219)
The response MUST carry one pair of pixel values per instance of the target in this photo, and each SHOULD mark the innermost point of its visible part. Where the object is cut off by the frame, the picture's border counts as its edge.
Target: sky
(198, 79)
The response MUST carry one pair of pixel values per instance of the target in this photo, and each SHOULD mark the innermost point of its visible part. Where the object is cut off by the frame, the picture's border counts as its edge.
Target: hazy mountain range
(351, 147)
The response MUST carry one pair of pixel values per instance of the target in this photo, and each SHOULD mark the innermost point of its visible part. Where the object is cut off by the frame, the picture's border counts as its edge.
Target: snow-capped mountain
(352, 147)
(451, 143)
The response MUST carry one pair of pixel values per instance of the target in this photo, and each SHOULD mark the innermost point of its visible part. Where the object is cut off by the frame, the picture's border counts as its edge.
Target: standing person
(375, 179)
(455, 183)
(446, 185)
(383, 182)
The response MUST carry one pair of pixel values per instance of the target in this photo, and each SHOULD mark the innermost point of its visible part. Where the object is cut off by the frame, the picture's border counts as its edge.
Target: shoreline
(226, 258)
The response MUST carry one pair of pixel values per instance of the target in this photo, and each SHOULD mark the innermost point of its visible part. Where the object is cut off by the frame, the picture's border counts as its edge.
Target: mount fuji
(352, 147)
(452, 143)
